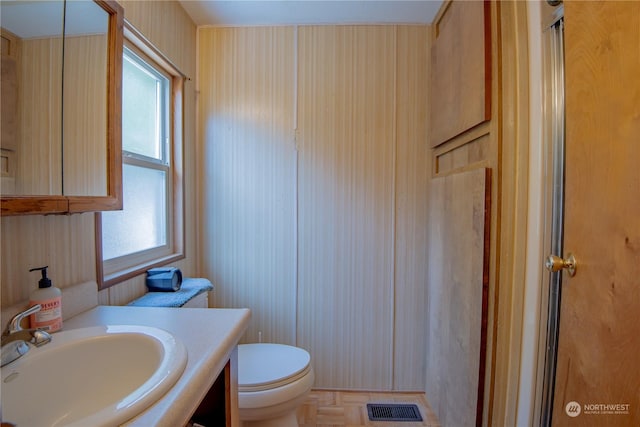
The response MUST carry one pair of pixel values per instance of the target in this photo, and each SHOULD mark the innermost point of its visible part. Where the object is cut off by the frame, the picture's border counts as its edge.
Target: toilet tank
(199, 301)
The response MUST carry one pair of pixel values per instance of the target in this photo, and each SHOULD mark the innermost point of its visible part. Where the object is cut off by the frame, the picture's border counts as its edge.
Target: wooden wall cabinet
(479, 119)
(61, 130)
(461, 70)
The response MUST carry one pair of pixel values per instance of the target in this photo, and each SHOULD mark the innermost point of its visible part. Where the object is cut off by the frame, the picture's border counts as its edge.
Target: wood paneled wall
(246, 122)
(66, 243)
(85, 112)
(346, 228)
(412, 177)
(321, 231)
(38, 156)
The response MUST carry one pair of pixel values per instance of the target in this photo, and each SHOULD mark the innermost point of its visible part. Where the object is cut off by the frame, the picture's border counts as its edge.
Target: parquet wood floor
(326, 408)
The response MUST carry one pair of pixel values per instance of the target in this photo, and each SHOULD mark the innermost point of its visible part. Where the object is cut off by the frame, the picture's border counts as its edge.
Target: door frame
(535, 308)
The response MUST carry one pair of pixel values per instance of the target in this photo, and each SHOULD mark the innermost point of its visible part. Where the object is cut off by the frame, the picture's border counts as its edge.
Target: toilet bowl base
(272, 402)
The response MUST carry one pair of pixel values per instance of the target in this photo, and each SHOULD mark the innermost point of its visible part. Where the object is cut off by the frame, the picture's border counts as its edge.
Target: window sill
(108, 280)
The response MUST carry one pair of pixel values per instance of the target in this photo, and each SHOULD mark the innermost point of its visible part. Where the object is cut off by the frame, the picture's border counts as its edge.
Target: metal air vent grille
(393, 412)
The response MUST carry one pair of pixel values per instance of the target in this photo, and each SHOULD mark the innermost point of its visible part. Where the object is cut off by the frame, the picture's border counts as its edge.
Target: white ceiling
(306, 12)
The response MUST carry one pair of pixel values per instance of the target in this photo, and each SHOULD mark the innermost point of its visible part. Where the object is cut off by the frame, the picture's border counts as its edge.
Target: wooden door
(598, 364)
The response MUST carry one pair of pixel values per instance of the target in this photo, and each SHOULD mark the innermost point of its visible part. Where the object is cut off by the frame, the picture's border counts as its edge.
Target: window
(148, 231)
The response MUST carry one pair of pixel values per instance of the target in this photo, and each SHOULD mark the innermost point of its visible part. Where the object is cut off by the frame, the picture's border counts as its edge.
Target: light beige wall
(38, 153)
(85, 71)
(347, 129)
(66, 243)
(248, 164)
(412, 175)
(320, 230)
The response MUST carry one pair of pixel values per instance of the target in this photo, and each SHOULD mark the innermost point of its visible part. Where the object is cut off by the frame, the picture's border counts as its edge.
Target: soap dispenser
(49, 297)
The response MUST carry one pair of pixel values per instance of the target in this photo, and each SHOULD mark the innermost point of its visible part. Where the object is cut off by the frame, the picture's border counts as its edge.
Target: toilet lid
(264, 366)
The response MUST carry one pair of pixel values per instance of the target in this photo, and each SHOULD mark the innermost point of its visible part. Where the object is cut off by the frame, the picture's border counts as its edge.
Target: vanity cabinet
(219, 407)
(207, 390)
(461, 70)
(61, 106)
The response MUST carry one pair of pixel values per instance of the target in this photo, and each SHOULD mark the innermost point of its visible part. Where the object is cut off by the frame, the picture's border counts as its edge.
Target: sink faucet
(15, 339)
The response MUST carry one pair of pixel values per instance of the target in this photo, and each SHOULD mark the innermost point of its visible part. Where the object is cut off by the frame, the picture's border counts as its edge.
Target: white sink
(97, 376)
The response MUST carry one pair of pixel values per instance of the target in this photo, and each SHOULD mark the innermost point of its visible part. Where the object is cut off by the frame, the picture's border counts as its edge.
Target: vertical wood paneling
(346, 104)
(85, 116)
(361, 188)
(127, 291)
(61, 242)
(168, 27)
(248, 168)
(412, 174)
(66, 243)
(38, 157)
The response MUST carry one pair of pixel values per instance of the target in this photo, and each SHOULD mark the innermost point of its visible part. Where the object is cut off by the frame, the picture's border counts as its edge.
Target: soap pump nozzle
(44, 282)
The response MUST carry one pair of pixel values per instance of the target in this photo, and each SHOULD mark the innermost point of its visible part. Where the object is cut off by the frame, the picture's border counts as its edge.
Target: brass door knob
(555, 263)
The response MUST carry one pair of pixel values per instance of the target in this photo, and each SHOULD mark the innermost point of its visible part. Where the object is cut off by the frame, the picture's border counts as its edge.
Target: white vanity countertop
(209, 335)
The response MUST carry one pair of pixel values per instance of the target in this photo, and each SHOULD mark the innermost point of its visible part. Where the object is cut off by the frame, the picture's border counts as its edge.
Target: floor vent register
(393, 412)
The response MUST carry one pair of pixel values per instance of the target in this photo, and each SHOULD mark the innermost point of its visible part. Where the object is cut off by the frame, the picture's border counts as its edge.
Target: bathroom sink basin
(96, 376)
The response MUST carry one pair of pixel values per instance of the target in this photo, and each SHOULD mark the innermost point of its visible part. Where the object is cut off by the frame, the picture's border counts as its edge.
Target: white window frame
(111, 272)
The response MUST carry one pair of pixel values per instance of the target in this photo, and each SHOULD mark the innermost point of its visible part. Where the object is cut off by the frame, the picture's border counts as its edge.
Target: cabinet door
(62, 158)
(460, 70)
(458, 277)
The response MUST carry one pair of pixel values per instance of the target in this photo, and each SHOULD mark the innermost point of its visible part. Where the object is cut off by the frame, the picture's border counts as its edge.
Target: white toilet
(273, 380)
